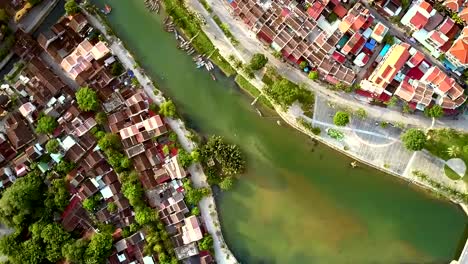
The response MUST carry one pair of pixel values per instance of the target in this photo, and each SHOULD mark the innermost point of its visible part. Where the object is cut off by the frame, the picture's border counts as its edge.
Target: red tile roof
(446, 26)
(419, 20)
(340, 11)
(339, 57)
(417, 58)
(315, 10)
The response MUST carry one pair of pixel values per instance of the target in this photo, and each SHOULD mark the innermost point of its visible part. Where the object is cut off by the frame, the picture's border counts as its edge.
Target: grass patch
(190, 24)
(451, 174)
(440, 140)
(254, 92)
(225, 28)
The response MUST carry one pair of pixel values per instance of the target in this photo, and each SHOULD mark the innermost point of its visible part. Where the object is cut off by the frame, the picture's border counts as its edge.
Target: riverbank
(226, 49)
(207, 206)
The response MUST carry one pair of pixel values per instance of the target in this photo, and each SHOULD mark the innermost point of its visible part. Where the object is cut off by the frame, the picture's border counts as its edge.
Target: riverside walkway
(463, 259)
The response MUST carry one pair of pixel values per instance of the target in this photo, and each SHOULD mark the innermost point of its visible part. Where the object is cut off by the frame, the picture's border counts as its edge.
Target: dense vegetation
(87, 99)
(258, 61)
(71, 7)
(341, 118)
(414, 139)
(168, 109)
(133, 190)
(28, 206)
(285, 92)
(46, 124)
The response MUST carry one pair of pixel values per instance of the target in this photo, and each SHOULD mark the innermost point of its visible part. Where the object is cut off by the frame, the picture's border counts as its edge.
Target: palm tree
(453, 151)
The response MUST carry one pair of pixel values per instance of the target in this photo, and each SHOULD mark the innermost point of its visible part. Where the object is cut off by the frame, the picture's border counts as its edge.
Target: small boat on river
(213, 76)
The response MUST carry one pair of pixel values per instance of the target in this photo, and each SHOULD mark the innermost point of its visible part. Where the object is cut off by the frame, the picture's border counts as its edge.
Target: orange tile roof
(464, 14)
(459, 50)
(426, 6)
(439, 79)
(453, 5)
(417, 58)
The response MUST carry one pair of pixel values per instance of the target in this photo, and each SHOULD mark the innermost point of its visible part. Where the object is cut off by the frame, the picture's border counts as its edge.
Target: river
(299, 202)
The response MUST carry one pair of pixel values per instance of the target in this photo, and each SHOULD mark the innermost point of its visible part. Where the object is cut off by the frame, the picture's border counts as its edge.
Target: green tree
(111, 207)
(53, 146)
(99, 248)
(91, 203)
(227, 183)
(87, 99)
(71, 7)
(21, 203)
(389, 39)
(172, 136)
(64, 167)
(31, 252)
(286, 92)
(3, 16)
(195, 155)
(228, 156)
(110, 141)
(74, 251)
(313, 75)
(184, 158)
(453, 151)
(392, 102)
(341, 118)
(258, 61)
(414, 139)
(195, 211)
(101, 118)
(302, 65)
(117, 69)
(435, 111)
(361, 113)
(46, 124)
(54, 237)
(145, 215)
(165, 150)
(206, 243)
(168, 109)
(58, 196)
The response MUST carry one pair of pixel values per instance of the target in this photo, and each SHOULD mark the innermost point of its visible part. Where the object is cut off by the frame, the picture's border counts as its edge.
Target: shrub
(414, 139)
(258, 61)
(341, 118)
(168, 109)
(313, 75)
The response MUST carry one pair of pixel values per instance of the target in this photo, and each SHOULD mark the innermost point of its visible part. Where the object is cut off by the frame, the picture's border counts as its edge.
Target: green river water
(299, 202)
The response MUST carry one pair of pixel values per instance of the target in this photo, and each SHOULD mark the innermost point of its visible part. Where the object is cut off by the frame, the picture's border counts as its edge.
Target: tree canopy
(87, 99)
(341, 118)
(227, 183)
(46, 124)
(206, 243)
(228, 156)
(53, 146)
(74, 251)
(71, 7)
(313, 75)
(258, 61)
(435, 111)
(168, 109)
(99, 248)
(22, 201)
(414, 139)
(101, 118)
(286, 92)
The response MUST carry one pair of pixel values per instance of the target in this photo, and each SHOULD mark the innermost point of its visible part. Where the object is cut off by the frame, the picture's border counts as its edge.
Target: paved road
(249, 45)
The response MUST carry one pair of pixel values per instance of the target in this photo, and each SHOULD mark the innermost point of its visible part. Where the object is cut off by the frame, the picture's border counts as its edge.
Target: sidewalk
(207, 206)
(249, 45)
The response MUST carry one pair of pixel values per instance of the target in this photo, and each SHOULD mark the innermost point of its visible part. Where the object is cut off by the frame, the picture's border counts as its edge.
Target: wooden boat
(258, 112)
(213, 76)
(354, 164)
